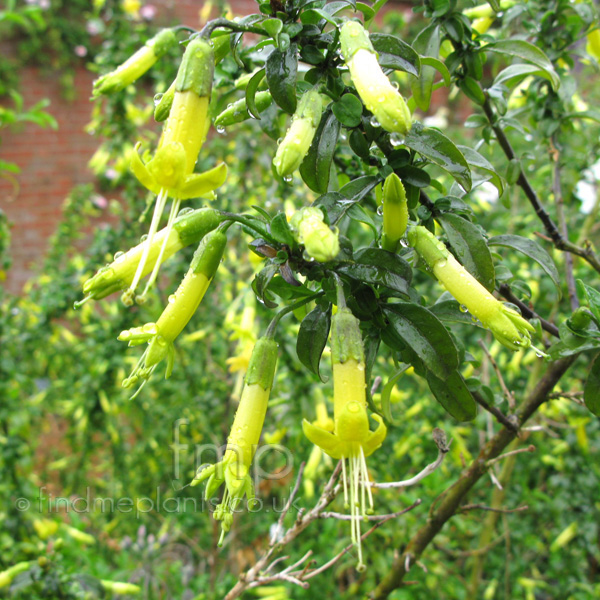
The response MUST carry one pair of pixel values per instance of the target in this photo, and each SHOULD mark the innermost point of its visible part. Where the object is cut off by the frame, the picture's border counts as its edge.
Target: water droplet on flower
(307, 257)
(185, 211)
(380, 210)
(404, 243)
(150, 328)
(157, 99)
(108, 274)
(374, 122)
(220, 129)
(144, 238)
(288, 178)
(172, 298)
(463, 308)
(119, 256)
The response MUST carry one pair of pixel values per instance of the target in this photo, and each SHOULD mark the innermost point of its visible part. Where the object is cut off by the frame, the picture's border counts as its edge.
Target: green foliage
(67, 425)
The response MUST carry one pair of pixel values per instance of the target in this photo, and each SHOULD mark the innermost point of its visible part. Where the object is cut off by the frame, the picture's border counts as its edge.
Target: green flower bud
(238, 111)
(372, 85)
(7, 576)
(187, 229)
(346, 339)
(299, 136)
(580, 319)
(507, 325)
(163, 107)
(320, 242)
(395, 213)
(137, 64)
(119, 587)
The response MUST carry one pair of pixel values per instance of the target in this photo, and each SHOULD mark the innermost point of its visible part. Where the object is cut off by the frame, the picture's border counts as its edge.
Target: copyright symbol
(22, 504)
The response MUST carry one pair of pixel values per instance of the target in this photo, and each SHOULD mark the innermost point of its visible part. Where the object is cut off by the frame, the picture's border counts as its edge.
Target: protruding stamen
(158, 210)
(345, 482)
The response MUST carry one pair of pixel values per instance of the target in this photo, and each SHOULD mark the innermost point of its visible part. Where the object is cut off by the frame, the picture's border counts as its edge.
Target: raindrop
(144, 238)
(396, 139)
(404, 243)
(288, 178)
(463, 308)
(172, 298)
(108, 274)
(119, 256)
(307, 257)
(185, 211)
(374, 122)
(157, 99)
(220, 129)
(380, 210)
(230, 105)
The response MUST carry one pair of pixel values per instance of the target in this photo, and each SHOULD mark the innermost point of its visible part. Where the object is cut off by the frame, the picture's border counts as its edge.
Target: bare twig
(439, 437)
(468, 507)
(529, 448)
(507, 393)
(509, 422)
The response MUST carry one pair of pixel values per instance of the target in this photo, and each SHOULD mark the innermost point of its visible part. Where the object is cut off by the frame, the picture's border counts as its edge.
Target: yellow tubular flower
(507, 325)
(395, 213)
(180, 309)
(170, 172)
(371, 83)
(243, 439)
(593, 44)
(137, 64)
(298, 138)
(352, 440)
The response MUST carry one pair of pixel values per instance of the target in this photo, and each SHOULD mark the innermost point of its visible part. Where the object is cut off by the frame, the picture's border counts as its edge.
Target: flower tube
(137, 64)
(352, 440)
(170, 172)
(187, 229)
(180, 309)
(243, 439)
(298, 138)
(371, 83)
(309, 228)
(507, 325)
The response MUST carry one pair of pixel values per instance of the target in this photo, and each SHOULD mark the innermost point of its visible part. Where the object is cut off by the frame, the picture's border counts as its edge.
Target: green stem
(284, 311)
(244, 220)
(214, 24)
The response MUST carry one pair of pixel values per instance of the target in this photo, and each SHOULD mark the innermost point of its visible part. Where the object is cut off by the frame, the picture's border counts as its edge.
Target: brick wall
(52, 162)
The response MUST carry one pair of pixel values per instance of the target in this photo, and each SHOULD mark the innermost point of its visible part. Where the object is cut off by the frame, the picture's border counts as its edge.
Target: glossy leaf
(312, 338)
(470, 248)
(528, 52)
(376, 266)
(393, 53)
(439, 149)
(425, 335)
(454, 395)
(281, 68)
(427, 43)
(591, 391)
(316, 166)
(531, 249)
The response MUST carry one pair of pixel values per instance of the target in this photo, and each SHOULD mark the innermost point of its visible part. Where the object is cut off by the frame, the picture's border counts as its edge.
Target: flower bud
(507, 325)
(372, 85)
(238, 111)
(299, 136)
(137, 64)
(395, 213)
(187, 229)
(119, 587)
(7, 576)
(320, 242)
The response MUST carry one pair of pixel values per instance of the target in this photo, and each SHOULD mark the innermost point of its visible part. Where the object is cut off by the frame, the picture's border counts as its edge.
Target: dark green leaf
(312, 338)
(472, 90)
(453, 395)
(470, 248)
(435, 146)
(591, 391)
(393, 53)
(533, 250)
(316, 166)
(450, 312)
(439, 66)
(376, 266)
(427, 43)
(348, 110)
(528, 52)
(281, 70)
(251, 89)
(280, 230)
(261, 283)
(478, 162)
(425, 335)
(414, 176)
(359, 144)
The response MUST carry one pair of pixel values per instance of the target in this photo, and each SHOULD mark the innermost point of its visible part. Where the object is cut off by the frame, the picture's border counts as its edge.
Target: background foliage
(67, 427)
